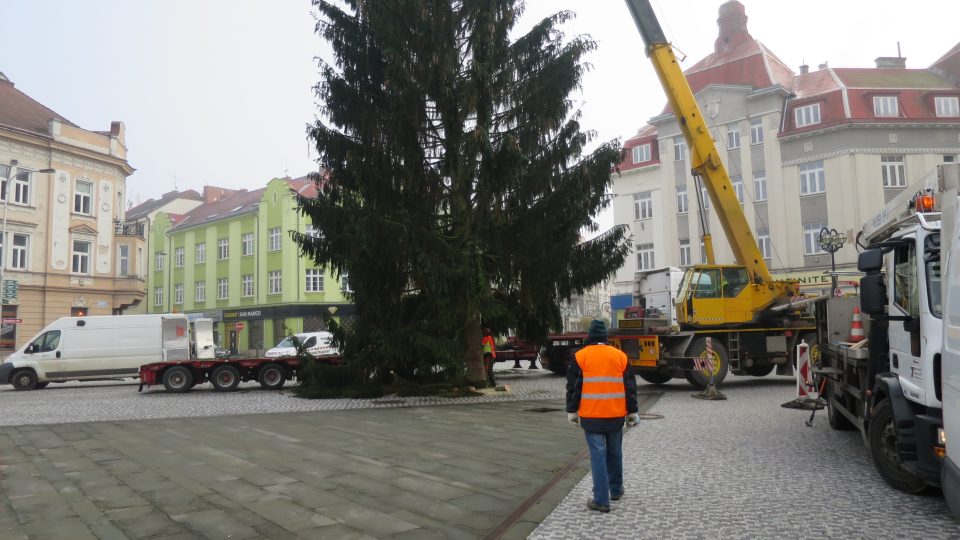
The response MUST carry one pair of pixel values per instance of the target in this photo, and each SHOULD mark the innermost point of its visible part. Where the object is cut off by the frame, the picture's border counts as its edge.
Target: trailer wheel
(654, 377)
(883, 449)
(24, 380)
(225, 378)
(272, 377)
(720, 365)
(837, 420)
(557, 359)
(177, 379)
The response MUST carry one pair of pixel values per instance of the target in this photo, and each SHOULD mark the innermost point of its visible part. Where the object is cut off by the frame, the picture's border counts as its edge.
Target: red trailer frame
(224, 374)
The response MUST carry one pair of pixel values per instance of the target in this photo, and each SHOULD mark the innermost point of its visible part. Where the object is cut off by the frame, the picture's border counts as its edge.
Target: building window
(644, 256)
(641, 153)
(158, 296)
(947, 106)
(894, 171)
(273, 282)
(679, 149)
(274, 239)
(733, 137)
(345, 283)
(685, 253)
(949, 159)
(246, 244)
(21, 188)
(756, 131)
(738, 188)
(159, 261)
(643, 205)
(18, 256)
(83, 198)
(178, 256)
(200, 291)
(763, 242)
(201, 253)
(223, 249)
(123, 261)
(248, 285)
(885, 106)
(703, 252)
(812, 179)
(807, 115)
(705, 197)
(683, 204)
(314, 280)
(223, 288)
(310, 232)
(81, 257)
(759, 186)
(811, 238)
(178, 293)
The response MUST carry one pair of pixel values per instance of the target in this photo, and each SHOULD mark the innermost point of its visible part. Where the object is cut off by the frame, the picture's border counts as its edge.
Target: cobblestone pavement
(103, 401)
(747, 468)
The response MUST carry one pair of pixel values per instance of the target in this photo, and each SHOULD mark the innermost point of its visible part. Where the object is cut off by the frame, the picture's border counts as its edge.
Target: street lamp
(831, 241)
(11, 176)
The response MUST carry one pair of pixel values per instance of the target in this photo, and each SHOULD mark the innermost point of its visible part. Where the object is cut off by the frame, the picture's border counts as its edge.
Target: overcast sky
(219, 92)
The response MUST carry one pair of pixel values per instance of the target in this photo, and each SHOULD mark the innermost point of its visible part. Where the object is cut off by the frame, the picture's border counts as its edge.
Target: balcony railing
(128, 228)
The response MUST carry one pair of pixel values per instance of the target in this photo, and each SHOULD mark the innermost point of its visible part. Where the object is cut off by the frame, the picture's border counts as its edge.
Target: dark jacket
(575, 388)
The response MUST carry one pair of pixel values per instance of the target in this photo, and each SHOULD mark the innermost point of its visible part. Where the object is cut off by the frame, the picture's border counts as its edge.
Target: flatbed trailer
(224, 374)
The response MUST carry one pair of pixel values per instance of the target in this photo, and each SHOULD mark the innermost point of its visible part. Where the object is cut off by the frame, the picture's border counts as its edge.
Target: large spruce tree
(455, 185)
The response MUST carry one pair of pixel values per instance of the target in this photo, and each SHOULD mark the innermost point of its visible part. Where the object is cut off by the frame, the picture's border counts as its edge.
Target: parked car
(315, 343)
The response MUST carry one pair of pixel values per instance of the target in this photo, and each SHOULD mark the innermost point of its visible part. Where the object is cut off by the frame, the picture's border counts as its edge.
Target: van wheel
(24, 379)
(225, 378)
(884, 450)
(272, 377)
(42, 385)
(177, 379)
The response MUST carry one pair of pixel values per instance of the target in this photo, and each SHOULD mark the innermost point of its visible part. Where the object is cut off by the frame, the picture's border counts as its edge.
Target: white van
(90, 348)
(316, 344)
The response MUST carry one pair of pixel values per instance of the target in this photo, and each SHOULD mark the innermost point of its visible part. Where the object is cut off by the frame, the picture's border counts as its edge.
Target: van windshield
(288, 342)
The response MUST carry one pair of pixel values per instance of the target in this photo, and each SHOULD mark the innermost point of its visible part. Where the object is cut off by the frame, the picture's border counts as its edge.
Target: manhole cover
(389, 402)
(650, 416)
(543, 410)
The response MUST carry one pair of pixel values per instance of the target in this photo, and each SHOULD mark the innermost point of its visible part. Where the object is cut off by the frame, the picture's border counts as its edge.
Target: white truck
(103, 347)
(891, 390)
(950, 359)
(655, 292)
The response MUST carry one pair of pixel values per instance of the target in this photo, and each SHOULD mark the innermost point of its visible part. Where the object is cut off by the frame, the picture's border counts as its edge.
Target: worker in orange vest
(601, 394)
(489, 355)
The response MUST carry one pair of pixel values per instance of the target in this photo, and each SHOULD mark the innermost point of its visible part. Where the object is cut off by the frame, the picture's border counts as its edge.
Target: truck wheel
(721, 363)
(654, 377)
(23, 380)
(837, 420)
(177, 379)
(760, 370)
(225, 378)
(272, 377)
(883, 449)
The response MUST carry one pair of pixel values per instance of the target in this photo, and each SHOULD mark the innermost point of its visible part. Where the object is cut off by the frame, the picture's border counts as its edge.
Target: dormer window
(947, 106)
(886, 106)
(641, 153)
(807, 115)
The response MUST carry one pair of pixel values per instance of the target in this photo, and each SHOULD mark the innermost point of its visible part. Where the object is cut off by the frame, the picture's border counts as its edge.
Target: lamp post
(831, 241)
(11, 177)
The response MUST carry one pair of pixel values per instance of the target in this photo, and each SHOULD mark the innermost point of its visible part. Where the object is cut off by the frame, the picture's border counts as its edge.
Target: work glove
(573, 418)
(632, 419)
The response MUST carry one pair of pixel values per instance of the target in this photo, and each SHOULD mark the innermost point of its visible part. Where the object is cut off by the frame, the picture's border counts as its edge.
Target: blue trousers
(606, 464)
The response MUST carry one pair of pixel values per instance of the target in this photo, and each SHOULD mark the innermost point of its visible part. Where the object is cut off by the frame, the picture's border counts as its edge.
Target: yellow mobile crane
(750, 316)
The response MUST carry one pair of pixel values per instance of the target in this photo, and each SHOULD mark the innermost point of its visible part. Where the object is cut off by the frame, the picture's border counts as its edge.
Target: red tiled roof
(20, 111)
(949, 64)
(304, 186)
(239, 203)
(150, 205)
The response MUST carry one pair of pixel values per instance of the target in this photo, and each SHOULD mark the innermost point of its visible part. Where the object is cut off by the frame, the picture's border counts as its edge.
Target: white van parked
(91, 348)
(316, 344)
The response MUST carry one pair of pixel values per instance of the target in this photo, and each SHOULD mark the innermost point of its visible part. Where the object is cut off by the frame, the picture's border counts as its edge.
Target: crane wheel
(721, 363)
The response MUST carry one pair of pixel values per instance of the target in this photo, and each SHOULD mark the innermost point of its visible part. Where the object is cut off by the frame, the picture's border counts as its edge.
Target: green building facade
(233, 260)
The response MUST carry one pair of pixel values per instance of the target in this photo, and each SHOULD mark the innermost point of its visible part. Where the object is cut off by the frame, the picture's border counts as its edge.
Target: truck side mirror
(873, 294)
(30, 349)
(870, 260)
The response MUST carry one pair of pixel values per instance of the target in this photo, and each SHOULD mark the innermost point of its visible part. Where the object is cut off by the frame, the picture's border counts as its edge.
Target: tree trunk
(471, 330)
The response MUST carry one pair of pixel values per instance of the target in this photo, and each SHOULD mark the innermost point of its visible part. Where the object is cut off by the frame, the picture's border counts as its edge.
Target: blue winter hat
(598, 330)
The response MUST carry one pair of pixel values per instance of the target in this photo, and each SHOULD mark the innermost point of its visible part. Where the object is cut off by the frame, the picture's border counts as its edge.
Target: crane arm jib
(705, 160)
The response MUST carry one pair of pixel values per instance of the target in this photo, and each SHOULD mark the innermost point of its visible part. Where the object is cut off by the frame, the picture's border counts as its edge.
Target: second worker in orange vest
(601, 393)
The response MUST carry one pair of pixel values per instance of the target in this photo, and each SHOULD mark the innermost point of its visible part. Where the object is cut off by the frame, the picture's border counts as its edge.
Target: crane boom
(705, 159)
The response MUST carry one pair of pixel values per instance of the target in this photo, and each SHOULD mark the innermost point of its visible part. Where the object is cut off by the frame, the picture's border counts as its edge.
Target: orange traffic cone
(856, 329)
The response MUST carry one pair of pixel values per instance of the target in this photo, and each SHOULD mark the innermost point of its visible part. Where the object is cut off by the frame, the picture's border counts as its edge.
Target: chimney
(804, 69)
(733, 27)
(822, 66)
(898, 62)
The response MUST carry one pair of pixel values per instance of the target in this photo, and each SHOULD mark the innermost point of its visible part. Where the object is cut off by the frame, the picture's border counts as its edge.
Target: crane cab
(724, 295)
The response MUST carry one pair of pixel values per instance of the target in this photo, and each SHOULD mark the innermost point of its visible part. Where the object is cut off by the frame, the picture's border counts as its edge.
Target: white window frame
(739, 188)
(886, 106)
(763, 243)
(685, 253)
(158, 296)
(21, 188)
(223, 288)
(310, 232)
(178, 294)
(759, 186)
(812, 178)
(200, 291)
(19, 255)
(733, 137)
(201, 253)
(703, 252)
(947, 106)
(807, 115)
(274, 282)
(641, 153)
(893, 170)
(313, 280)
(81, 199)
(345, 283)
(811, 239)
(223, 249)
(679, 149)
(179, 254)
(756, 131)
(158, 261)
(123, 261)
(683, 202)
(643, 205)
(645, 259)
(246, 245)
(247, 286)
(80, 256)
(273, 236)
(705, 197)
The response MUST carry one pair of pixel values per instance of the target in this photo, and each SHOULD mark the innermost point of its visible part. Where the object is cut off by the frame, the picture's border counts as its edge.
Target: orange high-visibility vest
(603, 394)
(489, 346)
